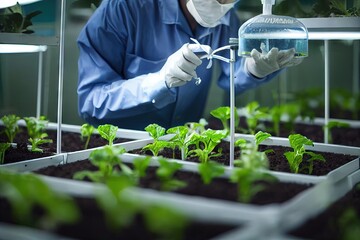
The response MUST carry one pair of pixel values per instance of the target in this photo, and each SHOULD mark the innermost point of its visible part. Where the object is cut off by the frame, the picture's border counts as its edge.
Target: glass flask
(267, 31)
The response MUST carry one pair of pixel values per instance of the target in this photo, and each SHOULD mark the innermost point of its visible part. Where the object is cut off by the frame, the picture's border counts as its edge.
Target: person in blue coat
(137, 63)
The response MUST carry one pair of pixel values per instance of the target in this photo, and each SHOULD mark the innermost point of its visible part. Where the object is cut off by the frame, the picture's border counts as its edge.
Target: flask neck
(267, 9)
(267, 6)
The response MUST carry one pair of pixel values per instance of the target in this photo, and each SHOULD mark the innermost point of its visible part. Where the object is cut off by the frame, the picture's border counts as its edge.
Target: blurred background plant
(14, 20)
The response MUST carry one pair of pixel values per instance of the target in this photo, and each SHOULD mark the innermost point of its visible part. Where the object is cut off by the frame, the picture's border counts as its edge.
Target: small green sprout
(120, 211)
(253, 113)
(296, 157)
(86, 131)
(349, 223)
(250, 166)
(108, 132)
(166, 222)
(105, 159)
(140, 167)
(334, 124)
(181, 139)
(275, 113)
(291, 111)
(156, 132)
(165, 173)
(27, 193)
(156, 147)
(197, 127)
(223, 114)
(210, 170)
(11, 126)
(3, 148)
(36, 128)
(205, 144)
(246, 179)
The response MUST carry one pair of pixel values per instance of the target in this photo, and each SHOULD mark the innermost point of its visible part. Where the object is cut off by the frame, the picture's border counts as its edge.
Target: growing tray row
(223, 209)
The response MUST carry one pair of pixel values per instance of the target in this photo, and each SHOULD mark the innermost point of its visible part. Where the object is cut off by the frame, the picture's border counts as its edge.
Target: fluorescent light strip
(17, 48)
(9, 3)
(334, 35)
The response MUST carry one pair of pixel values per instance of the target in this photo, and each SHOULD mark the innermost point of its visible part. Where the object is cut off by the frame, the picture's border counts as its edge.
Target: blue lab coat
(122, 48)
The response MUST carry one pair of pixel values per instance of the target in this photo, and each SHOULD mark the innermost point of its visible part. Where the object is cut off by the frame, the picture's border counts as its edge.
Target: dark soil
(340, 136)
(277, 160)
(220, 188)
(327, 225)
(92, 225)
(70, 142)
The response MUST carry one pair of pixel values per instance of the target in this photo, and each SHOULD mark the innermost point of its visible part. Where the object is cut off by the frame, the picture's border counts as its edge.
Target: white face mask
(208, 12)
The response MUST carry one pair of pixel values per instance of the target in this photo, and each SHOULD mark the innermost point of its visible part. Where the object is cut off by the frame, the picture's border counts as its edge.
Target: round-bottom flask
(265, 32)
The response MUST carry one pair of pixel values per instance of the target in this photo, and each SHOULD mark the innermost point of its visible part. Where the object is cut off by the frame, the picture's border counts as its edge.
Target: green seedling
(275, 113)
(181, 139)
(291, 111)
(3, 148)
(309, 101)
(250, 156)
(246, 180)
(27, 193)
(165, 222)
(36, 128)
(334, 124)
(253, 114)
(223, 114)
(108, 132)
(120, 211)
(205, 144)
(157, 146)
(11, 126)
(210, 170)
(165, 173)
(349, 223)
(105, 159)
(197, 127)
(140, 167)
(250, 167)
(346, 101)
(156, 131)
(86, 131)
(296, 157)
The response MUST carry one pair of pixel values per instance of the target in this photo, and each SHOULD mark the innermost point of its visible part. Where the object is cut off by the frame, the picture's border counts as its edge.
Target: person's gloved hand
(180, 67)
(265, 63)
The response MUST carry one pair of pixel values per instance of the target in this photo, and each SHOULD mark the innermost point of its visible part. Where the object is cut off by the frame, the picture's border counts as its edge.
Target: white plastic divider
(199, 207)
(334, 175)
(121, 133)
(267, 217)
(33, 164)
(296, 211)
(11, 231)
(316, 201)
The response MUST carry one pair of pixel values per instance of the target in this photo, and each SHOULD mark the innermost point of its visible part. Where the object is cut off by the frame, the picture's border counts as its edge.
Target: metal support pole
(39, 87)
(234, 45)
(327, 89)
(356, 64)
(61, 74)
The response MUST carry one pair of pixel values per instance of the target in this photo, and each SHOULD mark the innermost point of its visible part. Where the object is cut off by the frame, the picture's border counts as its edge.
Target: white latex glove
(262, 64)
(180, 67)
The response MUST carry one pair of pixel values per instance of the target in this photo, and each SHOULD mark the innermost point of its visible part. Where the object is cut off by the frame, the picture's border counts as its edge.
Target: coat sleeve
(103, 90)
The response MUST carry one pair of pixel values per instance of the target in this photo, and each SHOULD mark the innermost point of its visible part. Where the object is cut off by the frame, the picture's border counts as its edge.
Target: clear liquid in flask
(254, 41)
